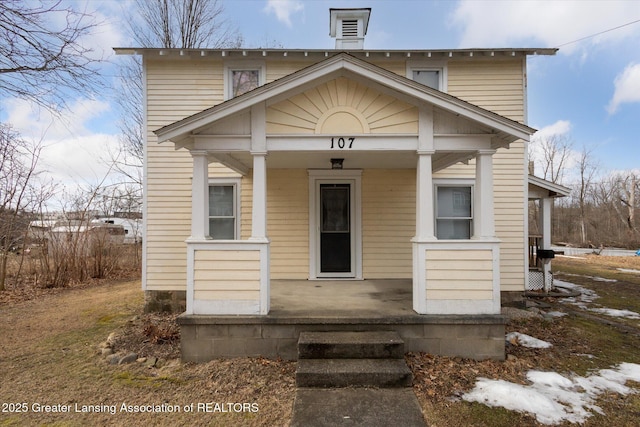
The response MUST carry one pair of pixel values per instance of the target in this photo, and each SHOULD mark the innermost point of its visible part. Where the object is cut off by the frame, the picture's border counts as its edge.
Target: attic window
(350, 28)
(242, 77)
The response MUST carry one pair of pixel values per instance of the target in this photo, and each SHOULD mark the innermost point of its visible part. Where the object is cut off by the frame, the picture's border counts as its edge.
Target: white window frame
(235, 183)
(452, 183)
(242, 66)
(440, 66)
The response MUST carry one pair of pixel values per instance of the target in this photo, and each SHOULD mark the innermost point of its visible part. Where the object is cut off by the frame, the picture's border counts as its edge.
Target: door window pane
(335, 209)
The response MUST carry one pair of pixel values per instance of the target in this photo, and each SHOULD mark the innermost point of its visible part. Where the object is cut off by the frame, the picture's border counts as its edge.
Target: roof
(550, 189)
(344, 64)
(365, 53)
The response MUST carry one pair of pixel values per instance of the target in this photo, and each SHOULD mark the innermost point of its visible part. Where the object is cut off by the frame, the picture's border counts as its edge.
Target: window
(223, 210)
(429, 73)
(242, 78)
(429, 78)
(454, 213)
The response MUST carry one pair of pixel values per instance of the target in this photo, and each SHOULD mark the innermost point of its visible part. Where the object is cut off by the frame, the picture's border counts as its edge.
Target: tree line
(603, 207)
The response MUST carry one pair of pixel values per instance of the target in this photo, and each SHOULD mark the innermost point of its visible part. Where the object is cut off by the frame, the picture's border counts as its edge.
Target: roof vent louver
(349, 26)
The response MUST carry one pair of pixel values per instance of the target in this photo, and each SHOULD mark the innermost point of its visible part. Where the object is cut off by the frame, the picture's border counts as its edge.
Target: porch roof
(541, 188)
(503, 130)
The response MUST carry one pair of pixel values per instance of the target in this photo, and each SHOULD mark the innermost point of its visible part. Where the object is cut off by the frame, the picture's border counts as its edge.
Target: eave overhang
(539, 187)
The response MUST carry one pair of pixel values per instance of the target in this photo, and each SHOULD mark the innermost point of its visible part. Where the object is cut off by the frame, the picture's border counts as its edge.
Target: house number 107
(342, 143)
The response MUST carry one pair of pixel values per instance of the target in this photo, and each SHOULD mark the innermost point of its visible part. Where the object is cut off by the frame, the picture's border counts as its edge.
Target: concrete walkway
(369, 407)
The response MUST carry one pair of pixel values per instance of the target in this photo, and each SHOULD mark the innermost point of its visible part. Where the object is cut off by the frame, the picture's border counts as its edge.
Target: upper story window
(430, 74)
(241, 78)
(429, 78)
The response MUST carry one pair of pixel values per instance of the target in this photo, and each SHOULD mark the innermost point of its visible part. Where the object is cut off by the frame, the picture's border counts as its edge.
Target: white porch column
(200, 196)
(259, 209)
(545, 214)
(425, 229)
(483, 210)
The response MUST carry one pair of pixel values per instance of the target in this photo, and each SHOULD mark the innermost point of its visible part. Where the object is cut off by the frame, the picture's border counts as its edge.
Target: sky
(589, 92)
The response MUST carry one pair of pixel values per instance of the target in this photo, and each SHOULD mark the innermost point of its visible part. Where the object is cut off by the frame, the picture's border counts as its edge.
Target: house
(342, 177)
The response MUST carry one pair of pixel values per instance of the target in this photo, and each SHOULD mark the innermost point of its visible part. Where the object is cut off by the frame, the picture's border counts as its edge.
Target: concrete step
(324, 373)
(350, 345)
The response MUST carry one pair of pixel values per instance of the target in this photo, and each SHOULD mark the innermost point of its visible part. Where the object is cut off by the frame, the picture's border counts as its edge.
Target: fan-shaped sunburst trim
(324, 105)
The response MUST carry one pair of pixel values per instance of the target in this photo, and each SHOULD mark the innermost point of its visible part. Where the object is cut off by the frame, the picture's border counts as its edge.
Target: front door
(335, 230)
(335, 235)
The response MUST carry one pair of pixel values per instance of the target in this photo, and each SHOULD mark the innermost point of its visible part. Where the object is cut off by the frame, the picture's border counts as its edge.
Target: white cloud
(627, 88)
(283, 9)
(551, 23)
(73, 153)
(559, 128)
(37, 123)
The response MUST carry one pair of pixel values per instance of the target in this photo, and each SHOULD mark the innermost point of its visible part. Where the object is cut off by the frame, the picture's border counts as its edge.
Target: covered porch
(541, 196)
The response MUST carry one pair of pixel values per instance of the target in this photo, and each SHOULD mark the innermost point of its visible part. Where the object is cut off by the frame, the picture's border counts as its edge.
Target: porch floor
(342, 298)
(338, 305)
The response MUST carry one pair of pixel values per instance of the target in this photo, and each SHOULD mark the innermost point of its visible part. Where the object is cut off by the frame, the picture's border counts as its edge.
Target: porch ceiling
(352, 159)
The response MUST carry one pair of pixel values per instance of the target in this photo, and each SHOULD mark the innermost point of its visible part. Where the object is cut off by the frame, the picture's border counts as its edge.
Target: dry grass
(49, 355)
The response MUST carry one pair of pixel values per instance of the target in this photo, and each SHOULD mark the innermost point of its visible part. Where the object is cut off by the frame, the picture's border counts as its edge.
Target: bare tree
(552, 153)
(19, 193)
(42, 58)
(587, 170)
(184, 24)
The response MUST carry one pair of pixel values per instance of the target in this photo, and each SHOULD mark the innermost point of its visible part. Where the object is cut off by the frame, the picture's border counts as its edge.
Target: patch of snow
(556, 314)
(627, 314)
(628, 270)
(524, 340)
(553, 398)
(586, 295)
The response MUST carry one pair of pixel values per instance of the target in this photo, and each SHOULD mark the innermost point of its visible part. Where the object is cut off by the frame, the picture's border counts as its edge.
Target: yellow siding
(459, 274)
(180, 87)
(175, 90)
(288, 222)
(388, 222)
(499, 86)
(220, 275)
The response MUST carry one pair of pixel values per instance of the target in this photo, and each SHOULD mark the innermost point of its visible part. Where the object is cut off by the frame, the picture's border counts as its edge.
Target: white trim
(236, 183)
(330, 176)
(426, 65)
(145, 179)
(242, 66)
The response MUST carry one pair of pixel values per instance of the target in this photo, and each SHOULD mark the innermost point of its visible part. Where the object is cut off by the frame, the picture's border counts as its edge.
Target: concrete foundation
(204, 338)
(165, 301)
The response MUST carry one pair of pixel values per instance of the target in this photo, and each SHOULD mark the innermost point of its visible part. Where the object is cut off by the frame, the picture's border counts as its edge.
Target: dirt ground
(51, 344)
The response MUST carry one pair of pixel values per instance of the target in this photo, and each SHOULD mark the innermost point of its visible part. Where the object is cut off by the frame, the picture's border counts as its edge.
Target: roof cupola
(349, 26)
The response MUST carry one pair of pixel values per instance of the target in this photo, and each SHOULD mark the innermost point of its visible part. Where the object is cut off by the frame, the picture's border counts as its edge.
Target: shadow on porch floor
(350, 298)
